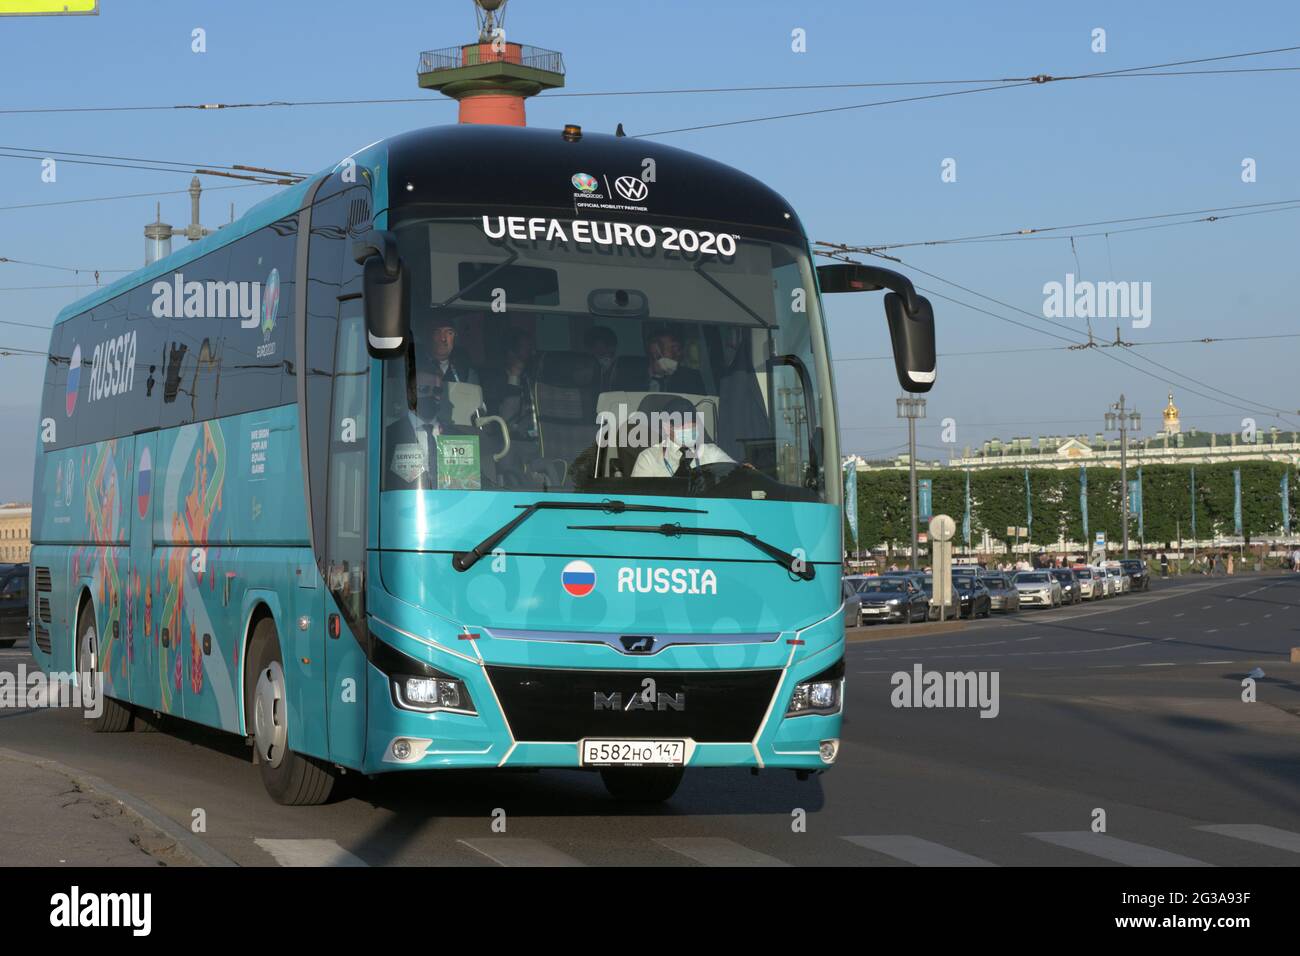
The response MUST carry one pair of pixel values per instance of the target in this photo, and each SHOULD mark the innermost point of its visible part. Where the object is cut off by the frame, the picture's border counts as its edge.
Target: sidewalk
(53, 815)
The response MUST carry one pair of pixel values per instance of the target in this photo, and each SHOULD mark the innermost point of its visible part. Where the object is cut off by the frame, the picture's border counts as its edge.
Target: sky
(1053, 154)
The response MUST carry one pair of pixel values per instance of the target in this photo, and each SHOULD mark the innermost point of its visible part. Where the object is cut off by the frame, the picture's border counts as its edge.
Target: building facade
(15, 533)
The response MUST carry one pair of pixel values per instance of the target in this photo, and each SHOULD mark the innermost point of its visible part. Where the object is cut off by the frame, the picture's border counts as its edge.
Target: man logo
(637, 643)
(631, 188)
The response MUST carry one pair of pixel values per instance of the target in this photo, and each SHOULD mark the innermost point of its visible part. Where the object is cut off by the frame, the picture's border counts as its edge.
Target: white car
(1115, 572)
(1092, 586)
(1038, 588)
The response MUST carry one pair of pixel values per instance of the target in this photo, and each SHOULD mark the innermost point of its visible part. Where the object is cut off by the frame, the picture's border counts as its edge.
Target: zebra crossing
(1078, 846)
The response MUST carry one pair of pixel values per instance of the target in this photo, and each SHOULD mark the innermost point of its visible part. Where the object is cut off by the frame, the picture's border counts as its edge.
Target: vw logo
(631, 188)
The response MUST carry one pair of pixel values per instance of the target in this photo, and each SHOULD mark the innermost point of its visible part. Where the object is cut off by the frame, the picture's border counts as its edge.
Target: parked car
(1070, 593)
(1003, 595)
(14, 609)
(891, 599)
(1136, 569)
(1038, 588)
(952, 610)
(973, 595)
(1091, 585)
(1115, 571)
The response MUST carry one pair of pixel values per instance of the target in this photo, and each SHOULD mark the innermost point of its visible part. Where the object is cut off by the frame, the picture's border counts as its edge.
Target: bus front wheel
(291, 778)
(114, 716)
(642, 784)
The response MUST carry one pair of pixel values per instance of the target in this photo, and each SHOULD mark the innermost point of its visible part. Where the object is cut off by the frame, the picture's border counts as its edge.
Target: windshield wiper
(464, 560)
(803, 569)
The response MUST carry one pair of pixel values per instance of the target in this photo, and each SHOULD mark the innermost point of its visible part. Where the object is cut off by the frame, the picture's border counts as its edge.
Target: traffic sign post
(942, 528)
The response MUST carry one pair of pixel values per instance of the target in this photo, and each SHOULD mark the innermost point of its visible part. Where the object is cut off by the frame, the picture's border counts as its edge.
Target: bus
(488, 447)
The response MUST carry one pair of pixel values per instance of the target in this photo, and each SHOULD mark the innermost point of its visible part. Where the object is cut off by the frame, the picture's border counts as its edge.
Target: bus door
(142, 586)
(345, 542)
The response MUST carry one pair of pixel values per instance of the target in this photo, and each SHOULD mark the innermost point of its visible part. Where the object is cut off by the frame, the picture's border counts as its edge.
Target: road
(1132, 706)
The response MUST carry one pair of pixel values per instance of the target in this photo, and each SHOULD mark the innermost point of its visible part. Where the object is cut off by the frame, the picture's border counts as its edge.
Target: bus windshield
(577, 356)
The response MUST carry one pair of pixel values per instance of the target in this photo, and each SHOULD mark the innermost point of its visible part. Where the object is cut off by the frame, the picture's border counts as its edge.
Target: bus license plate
(632, 753)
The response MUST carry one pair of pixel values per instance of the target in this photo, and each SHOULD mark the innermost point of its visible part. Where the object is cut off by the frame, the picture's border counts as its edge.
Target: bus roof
(470, 167)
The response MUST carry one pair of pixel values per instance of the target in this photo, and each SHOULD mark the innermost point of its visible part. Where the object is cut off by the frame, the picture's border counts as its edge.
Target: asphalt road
(1131, 706)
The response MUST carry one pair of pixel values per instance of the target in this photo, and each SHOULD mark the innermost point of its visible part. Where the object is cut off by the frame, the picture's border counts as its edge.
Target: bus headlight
(429, 694)
(821, 694)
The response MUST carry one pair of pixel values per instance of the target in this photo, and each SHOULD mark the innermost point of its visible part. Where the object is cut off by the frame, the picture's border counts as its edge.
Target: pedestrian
(1164, 565)
(1230, 565)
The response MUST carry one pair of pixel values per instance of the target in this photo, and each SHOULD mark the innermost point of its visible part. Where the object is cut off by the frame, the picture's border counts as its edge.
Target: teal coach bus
(488, 447)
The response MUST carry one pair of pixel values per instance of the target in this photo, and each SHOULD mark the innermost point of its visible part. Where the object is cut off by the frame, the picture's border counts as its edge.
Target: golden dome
(1171, 410)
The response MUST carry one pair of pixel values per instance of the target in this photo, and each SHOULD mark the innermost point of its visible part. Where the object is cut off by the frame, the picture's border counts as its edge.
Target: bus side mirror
(910, 317)
(386, 291)
(912, 337)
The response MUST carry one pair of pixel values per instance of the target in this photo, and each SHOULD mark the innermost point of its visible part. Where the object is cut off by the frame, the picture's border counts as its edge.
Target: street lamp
(912, 409)
(1121, 420)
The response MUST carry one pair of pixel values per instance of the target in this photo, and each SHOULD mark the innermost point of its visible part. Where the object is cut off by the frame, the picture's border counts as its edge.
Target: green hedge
(998, 501)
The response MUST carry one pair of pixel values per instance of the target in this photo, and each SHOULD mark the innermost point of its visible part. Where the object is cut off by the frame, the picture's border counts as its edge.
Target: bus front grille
(552, 704)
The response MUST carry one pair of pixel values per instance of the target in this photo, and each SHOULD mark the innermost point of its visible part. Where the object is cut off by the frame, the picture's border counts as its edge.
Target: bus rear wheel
(8, 642)
(114, 716)
(291, 778)
(642, 784)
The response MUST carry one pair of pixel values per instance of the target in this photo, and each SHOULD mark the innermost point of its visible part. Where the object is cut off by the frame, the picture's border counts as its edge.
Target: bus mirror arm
(910, 317)
(386, 294)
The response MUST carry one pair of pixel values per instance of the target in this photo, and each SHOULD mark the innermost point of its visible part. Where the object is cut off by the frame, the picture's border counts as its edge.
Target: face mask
(689, 436)
(605, 361)
(667, 365)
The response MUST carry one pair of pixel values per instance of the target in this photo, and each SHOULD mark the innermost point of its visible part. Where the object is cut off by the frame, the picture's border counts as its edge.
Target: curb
(149, 814)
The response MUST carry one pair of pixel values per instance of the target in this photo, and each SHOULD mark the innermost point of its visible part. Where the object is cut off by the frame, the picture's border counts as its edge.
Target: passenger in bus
(411, 441)
(664, 369)
(683, 446)
(601, 342)
(510, 389)
(440, 354)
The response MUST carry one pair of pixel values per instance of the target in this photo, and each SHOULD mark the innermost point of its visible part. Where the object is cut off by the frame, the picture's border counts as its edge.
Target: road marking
(916, 851)
(1179, 614)
(1213, 630)
(511, 851)
(1207, 607)
(1158, 665)
(718, 851)
(309, 853)
(1114, 849)
(1214, 662)
(1140, 623)
(1257, 833)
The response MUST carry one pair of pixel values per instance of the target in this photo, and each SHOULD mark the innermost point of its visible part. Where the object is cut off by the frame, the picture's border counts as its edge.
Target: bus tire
(642, 784)
(114, 716)
(8, 642)
(292, 779)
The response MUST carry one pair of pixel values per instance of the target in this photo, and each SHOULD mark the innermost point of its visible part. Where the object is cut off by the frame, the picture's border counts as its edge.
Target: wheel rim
(270, 722)
(88, 653)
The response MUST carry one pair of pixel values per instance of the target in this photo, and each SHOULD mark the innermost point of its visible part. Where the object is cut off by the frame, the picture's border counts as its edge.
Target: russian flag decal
(578, 578)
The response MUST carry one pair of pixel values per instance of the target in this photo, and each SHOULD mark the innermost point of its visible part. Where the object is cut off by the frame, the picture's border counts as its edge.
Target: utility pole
(912, 409)
(1119, 418)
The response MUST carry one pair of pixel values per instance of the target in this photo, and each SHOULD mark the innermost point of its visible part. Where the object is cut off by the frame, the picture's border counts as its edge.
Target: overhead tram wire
(166, 192)
(1250, 406)
(1033, 231)
(1124, 73)
(1039, 80)
(1206, 340)
(236, 171)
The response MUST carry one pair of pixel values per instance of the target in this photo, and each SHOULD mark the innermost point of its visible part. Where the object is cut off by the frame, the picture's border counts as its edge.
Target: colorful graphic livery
(363, 511)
